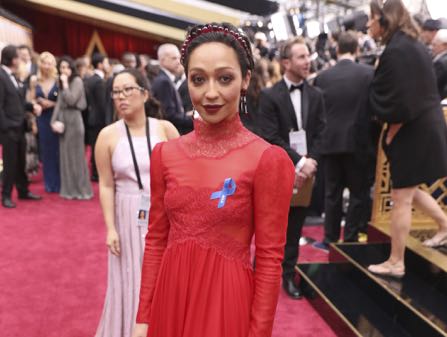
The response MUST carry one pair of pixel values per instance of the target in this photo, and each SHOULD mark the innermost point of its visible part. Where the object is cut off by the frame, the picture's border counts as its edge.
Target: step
(350, 303)
(423, 289)
(437, 256)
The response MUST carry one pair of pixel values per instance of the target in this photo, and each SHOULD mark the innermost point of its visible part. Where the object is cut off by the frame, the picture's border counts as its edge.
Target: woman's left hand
(393, 129)
(45, 103)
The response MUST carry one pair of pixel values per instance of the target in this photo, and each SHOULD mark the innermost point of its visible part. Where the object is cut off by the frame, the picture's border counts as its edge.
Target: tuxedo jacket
(12, 103)
(95, 90)
(345, 89)
(441, 75)
(165, 91)
(276, 118)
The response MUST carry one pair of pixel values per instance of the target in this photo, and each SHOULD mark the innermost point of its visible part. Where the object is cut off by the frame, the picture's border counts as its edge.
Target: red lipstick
(212, 109)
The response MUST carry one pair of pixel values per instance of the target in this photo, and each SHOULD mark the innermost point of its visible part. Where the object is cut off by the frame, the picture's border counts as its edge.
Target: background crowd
(40, 75)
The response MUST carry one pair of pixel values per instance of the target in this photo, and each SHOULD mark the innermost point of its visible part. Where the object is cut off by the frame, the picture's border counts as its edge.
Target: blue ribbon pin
(228, 189)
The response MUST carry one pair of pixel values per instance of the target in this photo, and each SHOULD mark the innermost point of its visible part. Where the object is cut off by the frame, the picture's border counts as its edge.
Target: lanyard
(134, 158)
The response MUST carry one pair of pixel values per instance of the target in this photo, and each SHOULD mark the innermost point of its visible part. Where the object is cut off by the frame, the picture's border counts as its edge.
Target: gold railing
(382, 197)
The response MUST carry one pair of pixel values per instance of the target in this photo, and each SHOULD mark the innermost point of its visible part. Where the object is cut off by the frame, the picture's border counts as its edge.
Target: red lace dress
(197, 279)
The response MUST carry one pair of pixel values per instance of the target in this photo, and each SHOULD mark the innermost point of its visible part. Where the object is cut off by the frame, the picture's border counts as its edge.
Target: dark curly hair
(71, 65)
(224, 33)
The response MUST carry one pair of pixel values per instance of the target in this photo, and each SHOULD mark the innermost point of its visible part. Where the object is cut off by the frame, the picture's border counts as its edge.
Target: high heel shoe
(388, 269)
(435, 242)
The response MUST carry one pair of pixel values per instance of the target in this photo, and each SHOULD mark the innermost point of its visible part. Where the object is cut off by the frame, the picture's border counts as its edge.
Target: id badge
(298, 141)
(143, 210)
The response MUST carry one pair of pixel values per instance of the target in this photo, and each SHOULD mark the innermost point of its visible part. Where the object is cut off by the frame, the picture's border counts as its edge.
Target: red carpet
(53, 272)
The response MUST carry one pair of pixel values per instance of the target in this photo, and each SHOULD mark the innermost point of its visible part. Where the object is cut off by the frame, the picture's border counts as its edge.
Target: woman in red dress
(211, 191)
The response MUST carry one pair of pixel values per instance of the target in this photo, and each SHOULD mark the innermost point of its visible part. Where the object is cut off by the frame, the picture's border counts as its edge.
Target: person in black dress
(405, 96)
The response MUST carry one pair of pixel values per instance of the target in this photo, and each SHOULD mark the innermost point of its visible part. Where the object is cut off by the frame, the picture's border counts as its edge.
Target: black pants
(92, 136)
(291, 250)
(316, 207)
(14, 162)
(344, 171)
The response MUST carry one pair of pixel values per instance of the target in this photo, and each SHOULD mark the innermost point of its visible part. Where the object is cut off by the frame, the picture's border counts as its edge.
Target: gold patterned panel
(382, 197)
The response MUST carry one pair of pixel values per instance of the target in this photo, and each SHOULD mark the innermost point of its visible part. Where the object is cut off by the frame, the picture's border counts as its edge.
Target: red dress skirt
(211, 191)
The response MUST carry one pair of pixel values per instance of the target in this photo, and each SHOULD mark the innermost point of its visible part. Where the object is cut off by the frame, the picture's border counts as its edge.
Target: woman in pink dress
(211, 191)
(124, 189)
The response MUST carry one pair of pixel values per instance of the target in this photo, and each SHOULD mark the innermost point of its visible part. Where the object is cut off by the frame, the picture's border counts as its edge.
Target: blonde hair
(47, 56)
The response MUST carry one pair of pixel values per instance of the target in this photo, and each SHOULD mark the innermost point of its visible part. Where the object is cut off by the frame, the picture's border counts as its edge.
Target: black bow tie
(293, 87)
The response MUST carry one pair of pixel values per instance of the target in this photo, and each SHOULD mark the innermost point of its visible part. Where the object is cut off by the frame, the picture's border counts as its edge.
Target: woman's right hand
(392, 131)
(113, 242)
(140, 330)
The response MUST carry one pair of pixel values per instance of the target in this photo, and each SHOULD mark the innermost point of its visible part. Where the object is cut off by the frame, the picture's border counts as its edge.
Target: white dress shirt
(100, 73)
(295, 97)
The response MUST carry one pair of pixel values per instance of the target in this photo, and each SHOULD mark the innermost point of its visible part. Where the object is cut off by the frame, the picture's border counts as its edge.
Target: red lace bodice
(184, 174)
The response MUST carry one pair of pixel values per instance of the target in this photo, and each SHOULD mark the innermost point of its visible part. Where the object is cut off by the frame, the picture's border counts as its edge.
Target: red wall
(63, 36)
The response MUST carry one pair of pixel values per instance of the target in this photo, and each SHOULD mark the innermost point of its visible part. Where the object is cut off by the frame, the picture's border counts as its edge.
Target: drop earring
(243, 102)
(195, 114)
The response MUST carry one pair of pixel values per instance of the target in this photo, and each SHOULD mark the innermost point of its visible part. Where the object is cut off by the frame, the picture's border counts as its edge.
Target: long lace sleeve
(156, 238)
(273, 186)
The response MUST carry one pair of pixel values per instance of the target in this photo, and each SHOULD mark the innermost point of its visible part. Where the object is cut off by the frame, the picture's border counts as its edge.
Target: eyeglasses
(126, 92)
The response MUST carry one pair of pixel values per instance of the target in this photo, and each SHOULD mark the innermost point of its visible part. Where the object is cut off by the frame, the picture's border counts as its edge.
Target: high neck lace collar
(216, 140)
(224, 129)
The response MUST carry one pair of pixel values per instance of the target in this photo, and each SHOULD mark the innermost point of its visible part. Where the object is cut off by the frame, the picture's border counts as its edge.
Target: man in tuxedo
(95, 89)
(292, 108)
(12, 128)
(439, 47)
(346, 144)
(163, 88)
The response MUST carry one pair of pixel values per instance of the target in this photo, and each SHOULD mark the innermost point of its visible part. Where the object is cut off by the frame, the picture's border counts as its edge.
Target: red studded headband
(209, 28)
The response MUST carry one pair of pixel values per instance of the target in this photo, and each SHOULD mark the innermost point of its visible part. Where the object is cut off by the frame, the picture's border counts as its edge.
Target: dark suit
(110, 108)
(165, 91)
(95, 90)
(276, 118)
(184, 96)
(12, 130)
(346, 145)
(441, 74)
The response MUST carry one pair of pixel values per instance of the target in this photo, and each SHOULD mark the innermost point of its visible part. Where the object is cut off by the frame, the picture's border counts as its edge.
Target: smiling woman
(212, 189)
(215, 84)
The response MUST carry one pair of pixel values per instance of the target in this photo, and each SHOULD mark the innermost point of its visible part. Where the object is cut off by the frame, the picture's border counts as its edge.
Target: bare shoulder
(168, 129)
(108, 135)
